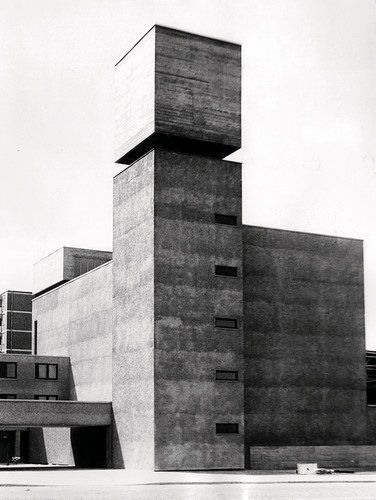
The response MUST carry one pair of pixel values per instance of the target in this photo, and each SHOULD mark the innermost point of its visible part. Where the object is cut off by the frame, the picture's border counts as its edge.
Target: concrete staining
(304, 339)
(143, 331)
(189, 190)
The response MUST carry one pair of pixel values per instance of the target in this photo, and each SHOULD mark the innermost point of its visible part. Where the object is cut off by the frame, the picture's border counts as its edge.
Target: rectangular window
(229, 220)
(8, 396)
(46, 371)
(226, 323)
(227, 428)
(226, 271)
(8, 370)
(35, 336)
(226, 375)
(46, 397)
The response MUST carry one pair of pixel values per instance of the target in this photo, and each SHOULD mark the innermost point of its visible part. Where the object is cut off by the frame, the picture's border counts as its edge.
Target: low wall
(286, 457)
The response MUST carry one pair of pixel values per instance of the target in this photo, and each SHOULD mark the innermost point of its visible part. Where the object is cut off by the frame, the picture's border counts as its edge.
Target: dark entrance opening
(89, 445)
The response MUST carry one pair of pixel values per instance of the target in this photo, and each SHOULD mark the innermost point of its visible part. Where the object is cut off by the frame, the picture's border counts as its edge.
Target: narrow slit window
(226, 323)
(231, 375)
(8, 396)
(226, 271)
(228, 220)
(227, 428)
(46, 397)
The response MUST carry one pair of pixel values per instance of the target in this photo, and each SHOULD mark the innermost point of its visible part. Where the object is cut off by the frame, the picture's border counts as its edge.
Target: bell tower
(178, 398)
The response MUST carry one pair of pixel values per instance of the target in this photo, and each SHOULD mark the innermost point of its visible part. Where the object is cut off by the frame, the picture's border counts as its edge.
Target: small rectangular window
(8, 370)
(46, 397)
(226, 375)
(46, 371)
(8, 396)
(229, 220)
(226, 323)
(226, 271)
(227, 428)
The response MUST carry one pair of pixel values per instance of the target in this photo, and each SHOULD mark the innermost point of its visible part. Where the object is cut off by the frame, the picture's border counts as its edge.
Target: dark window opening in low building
(46, 397)
(226, 375)
(35, 336)
(8, 396)
(226, 271)
(227, 428)
(371, 392)
(226, 323)
(229, 220)
(8, 370)
(46, 371)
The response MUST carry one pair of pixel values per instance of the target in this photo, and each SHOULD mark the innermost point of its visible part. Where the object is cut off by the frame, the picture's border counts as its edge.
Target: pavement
(53, 483)
(52, 476)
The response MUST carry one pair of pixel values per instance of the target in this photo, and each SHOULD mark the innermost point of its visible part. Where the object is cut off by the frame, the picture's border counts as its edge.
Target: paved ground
(301, 491)
(42, 484)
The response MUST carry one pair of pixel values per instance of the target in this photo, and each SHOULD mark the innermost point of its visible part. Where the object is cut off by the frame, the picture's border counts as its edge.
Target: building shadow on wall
(37, 446)
(117, 461)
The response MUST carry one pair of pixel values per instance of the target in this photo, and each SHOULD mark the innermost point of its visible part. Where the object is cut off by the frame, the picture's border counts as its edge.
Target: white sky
(309, 118)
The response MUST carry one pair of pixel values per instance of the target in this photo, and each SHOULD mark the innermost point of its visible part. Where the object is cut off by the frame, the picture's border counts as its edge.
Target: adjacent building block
(65, 264)
(180, 91)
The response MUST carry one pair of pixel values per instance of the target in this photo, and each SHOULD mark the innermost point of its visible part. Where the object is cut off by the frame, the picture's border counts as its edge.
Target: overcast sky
(309, 118)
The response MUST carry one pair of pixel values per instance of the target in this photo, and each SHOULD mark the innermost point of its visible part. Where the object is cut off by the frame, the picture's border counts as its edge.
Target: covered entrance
(67, 433)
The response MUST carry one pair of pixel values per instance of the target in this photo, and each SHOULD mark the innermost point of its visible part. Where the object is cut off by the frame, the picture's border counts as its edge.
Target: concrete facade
(65, 264)
(184, 96)
(75, 320)
(304, 339)
(221, 346)
(26, 385)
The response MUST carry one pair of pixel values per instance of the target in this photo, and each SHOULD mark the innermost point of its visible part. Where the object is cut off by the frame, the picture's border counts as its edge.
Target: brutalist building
(203, 343)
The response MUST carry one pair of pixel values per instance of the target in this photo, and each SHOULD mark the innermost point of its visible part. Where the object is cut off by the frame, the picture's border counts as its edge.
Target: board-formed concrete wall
(133, 313)
(189, 190)
(75, 320)
(178, 90)
(304, 339)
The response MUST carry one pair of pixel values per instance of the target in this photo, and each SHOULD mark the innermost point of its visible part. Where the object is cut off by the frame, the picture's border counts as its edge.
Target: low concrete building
(219, 345)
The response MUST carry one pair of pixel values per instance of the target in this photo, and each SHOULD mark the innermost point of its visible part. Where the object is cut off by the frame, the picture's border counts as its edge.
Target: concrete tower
(177, 261)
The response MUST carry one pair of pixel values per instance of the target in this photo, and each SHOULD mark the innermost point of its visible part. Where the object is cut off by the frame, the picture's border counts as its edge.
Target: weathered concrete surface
(189, 189)
(75, 320)
(28, 413)
(303, 339)
(26, 386)
(287, 457)
(178, 90)
(65, 264)
(133, 313)
(50, 445)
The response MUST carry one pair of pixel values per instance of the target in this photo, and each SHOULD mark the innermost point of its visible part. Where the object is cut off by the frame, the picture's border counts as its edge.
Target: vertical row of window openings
(232, 323)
